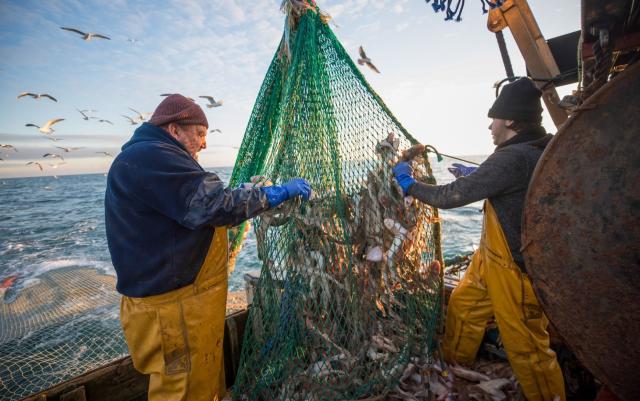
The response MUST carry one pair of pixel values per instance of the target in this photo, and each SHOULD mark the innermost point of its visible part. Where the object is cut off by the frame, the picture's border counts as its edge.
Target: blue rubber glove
(460, 170)
(277, 194)
(404, 175)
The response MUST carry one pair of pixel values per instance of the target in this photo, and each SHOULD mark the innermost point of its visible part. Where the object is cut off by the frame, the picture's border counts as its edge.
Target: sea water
(50, 223)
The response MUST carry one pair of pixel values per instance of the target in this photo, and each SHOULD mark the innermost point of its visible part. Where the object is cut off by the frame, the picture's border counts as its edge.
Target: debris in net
(383, 226)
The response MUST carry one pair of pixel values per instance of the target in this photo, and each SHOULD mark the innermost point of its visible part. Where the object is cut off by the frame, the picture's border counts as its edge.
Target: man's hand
(279, 193)
(460, 170)
(404, 175)
(298, 187)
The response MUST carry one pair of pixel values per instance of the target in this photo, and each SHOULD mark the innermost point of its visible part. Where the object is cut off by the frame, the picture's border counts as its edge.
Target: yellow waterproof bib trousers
(495, 286)
(176, 337)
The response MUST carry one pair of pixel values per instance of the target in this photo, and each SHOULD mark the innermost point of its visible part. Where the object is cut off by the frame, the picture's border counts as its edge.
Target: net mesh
(350, 289)
(60, 327)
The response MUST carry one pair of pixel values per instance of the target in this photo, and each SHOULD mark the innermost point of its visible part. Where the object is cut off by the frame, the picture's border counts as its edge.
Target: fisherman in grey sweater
(503, 179)
(495, 283)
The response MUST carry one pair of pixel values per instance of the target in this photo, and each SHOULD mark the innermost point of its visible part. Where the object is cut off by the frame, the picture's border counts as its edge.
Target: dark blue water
(51, 224)
(48, 223)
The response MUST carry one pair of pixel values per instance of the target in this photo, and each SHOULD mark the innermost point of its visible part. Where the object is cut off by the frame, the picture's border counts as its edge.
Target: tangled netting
(60, 327)
(350, 287)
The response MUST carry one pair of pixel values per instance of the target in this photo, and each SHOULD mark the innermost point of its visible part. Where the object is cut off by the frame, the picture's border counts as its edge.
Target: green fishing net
(350, 291)
(60, 326)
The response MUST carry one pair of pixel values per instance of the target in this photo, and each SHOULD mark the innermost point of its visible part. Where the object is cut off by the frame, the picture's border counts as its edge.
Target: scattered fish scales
(349, 294)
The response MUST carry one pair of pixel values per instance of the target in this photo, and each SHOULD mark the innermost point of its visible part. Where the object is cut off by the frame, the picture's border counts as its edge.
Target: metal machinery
(517, 16)
(581, 231)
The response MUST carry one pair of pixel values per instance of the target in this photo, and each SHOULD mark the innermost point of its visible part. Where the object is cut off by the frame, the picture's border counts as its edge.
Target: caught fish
(494, 388)
(468, 374)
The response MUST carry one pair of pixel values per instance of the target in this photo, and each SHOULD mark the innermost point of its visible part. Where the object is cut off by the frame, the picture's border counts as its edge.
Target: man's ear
(172, 129)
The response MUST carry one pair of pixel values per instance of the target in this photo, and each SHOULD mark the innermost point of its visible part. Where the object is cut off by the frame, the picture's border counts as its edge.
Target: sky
(436, 76)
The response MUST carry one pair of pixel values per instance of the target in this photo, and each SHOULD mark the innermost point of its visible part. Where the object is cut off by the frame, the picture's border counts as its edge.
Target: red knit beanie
(180, 110)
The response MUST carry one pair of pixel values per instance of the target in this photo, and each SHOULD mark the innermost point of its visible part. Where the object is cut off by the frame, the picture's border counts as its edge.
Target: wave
(43, 267)
(17, 246)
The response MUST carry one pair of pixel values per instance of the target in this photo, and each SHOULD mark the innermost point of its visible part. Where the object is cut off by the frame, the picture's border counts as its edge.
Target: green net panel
(350, 287)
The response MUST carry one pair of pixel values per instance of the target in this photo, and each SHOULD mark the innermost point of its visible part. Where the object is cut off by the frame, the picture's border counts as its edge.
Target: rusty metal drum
(581, 233)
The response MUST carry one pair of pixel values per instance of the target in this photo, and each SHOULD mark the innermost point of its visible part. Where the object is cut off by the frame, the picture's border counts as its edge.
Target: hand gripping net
(350, 288)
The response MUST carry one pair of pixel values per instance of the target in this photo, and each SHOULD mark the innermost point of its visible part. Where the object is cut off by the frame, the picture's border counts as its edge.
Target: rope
(431, 149)
(634, 15)
(455, 12)
(549, 81)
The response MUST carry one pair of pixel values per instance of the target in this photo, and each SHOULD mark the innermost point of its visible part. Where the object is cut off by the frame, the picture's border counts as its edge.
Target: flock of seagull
(47, 129)
(86, 114)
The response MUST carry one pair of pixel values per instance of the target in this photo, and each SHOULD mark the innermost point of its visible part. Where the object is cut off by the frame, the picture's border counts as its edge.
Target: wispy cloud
(212, 47)
(369, 27)
(400, 6)
(402, 26)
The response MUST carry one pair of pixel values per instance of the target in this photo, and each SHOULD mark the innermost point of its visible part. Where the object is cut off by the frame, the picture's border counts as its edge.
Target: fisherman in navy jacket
(166, 220)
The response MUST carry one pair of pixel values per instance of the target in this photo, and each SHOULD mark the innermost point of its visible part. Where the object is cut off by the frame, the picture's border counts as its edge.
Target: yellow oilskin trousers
(495, 286)
(176, 337)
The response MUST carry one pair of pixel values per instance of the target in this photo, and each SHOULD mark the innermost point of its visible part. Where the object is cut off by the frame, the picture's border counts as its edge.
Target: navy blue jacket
(161, 208)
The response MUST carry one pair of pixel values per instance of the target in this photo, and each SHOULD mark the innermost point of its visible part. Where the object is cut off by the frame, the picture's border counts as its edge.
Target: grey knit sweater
(503, 179)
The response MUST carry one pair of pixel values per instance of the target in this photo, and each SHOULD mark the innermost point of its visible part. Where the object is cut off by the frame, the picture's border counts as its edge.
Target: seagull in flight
(106, 154)
(37, 164)
(46, 129)
(53, 155)
(169, 94)
(9, 147)
(54, 139)
(366, 60)
(67, 150)
(215, 130)
(212, 101)
(105, 121)
(131, 120)
(37, 96)
(141, 116)
(84, 116)
(86, 35)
